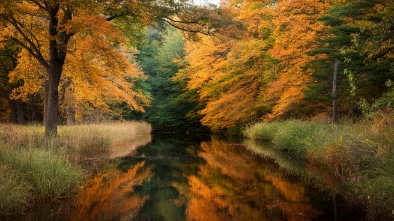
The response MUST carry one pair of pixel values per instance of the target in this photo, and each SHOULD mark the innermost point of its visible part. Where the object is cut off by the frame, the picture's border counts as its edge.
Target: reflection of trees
(234, 185)
(127, 148)
(306, 169)
(110, 195)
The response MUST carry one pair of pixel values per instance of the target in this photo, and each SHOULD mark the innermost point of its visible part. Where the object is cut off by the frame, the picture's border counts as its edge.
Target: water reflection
(111, 195)
(179, 178)
(234, 184)
(324, 181)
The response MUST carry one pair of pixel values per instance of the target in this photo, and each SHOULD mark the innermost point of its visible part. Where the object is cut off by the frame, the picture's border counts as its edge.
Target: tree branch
(40, 5)
(39, 57)
(186, 29)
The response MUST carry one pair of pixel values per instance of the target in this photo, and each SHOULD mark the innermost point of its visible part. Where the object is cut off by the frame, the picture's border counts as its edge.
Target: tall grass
(14, 192)
(360, 155)
(32, 167)
(48, 174)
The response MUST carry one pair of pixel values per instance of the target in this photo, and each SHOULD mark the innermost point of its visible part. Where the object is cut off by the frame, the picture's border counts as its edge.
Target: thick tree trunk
(334, 91)
(57, 56)
(52, 99)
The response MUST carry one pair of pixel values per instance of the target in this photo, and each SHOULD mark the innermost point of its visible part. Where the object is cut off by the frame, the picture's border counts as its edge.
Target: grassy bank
(360, 155)
(33, 168)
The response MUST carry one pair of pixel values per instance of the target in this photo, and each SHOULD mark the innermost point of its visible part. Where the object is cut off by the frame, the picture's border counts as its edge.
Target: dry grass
(33, 167)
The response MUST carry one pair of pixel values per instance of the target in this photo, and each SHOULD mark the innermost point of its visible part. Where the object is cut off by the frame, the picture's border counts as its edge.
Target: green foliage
(160, 59)
(262, 131)
(359, 36)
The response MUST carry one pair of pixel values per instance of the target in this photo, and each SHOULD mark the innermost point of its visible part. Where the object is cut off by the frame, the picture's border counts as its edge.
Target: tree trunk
(334, 91)
(54, 68)
(20, 112)
(46, 88)
(52, 98)
(70, 116)
(13, 111)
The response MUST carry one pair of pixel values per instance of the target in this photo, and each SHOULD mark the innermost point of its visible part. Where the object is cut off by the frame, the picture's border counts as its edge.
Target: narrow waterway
(179, 177)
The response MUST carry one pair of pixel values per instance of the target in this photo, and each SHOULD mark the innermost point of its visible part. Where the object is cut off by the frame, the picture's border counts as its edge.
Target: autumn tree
(261, 72)
(217, 69)
(46, 30)
(295, 32)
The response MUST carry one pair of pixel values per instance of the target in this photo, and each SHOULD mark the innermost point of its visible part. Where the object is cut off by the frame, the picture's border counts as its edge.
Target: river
(183, 177)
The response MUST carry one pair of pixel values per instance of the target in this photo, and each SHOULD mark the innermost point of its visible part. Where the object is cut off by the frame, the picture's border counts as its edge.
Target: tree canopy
(241, 62)
(83, 46)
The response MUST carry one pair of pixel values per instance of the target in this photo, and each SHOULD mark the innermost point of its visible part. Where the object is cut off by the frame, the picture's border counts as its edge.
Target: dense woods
(283, 60)
(279, 71)
(78, 55)
(223, 67)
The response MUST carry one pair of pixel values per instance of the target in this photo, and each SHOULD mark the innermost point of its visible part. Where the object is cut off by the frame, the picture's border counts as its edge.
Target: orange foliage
(233, 185)
(99, 69)
(263, 74)
(111, 195)
(296, 32)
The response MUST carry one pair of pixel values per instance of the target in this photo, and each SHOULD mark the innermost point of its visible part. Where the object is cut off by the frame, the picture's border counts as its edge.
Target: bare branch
(179, 21)
(205, 32)
(40, 4)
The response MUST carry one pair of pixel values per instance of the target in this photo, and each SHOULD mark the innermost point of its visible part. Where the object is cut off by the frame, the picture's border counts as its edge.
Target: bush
(262, 131)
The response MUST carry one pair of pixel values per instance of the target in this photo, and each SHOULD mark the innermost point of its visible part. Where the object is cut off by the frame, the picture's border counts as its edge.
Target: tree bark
(52, 108)
(13, 111)
(334, 91)
(70, 116)
(57, 56)
(20, 112)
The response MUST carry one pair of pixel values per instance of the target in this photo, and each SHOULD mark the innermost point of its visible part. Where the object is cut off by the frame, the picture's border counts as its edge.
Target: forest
(314, 78)
(215, 67)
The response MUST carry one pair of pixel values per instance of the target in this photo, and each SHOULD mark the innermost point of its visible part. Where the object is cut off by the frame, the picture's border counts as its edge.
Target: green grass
(46, 172)
(32, 167)
(360, 155)
(15, 192)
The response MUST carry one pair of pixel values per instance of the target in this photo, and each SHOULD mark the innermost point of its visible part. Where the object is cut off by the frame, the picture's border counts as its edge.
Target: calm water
(182, 178)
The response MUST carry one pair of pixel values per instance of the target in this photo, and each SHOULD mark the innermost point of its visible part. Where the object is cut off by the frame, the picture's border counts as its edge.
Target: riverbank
(359, 155)
(36, 169)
